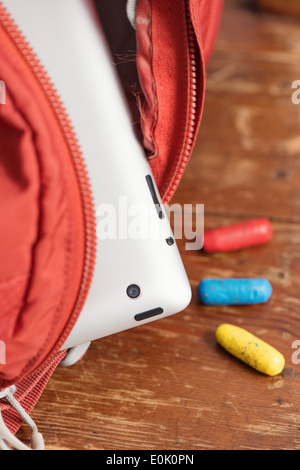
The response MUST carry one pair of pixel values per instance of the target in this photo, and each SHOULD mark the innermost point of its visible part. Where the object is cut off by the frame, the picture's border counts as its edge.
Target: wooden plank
(246, 160)
(280, 7)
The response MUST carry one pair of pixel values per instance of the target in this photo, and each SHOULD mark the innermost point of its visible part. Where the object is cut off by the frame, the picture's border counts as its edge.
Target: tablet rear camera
(133, 291)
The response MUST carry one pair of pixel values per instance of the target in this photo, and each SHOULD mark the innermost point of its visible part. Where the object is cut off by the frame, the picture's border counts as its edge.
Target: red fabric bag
(48, 230)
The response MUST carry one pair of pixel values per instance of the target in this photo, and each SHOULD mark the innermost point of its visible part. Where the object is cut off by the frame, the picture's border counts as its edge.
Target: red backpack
(48, 234)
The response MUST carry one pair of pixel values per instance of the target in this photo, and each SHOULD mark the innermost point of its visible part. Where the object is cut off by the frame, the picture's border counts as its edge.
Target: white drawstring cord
(6, 437)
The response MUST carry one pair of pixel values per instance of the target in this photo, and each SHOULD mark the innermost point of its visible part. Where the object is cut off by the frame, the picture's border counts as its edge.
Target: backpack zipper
(192, 105)
(80, 169)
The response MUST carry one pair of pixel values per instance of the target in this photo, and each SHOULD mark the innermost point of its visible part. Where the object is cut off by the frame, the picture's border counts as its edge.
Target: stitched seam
(172, 173)
(155, 114)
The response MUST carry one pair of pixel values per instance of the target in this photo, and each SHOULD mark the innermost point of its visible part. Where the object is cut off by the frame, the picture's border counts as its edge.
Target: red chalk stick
(238, 236)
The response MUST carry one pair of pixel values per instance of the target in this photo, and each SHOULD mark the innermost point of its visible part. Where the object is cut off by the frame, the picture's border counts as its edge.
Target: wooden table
(168, 385)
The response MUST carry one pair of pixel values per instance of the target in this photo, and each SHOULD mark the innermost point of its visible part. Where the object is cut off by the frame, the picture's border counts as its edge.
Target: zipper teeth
(79, 165)
(192, 106)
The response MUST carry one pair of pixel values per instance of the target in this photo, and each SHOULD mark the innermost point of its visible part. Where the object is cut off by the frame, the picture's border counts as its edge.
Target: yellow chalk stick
(250, 349)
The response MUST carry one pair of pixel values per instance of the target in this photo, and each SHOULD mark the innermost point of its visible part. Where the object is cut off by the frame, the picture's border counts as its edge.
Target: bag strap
(17, 402)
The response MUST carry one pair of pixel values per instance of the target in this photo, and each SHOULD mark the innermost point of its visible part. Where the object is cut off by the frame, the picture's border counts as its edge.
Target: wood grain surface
(168, 385)
(292, 7)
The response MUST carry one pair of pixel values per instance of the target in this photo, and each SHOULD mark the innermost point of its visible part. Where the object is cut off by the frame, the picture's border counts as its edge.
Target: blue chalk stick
(234, 291)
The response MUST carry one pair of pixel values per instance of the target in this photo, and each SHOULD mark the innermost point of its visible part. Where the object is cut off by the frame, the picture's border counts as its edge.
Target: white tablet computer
(139, 275)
